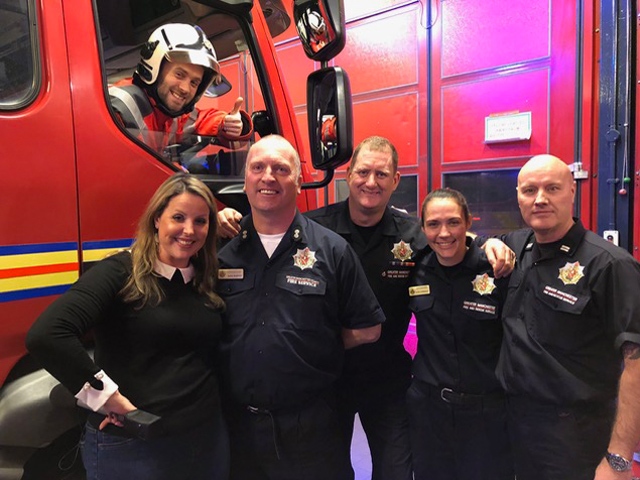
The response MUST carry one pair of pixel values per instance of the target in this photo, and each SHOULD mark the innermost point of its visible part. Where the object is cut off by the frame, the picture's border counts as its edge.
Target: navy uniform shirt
(388, 258)
(285, 314)
(457, 313)
(571, 306)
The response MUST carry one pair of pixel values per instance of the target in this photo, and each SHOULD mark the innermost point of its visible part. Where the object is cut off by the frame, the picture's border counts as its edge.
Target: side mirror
(330, 118)
(262, 123)
(218, 90)
(321, 27)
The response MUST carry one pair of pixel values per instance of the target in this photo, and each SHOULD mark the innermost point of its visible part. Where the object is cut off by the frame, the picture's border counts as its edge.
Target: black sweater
(162, 358)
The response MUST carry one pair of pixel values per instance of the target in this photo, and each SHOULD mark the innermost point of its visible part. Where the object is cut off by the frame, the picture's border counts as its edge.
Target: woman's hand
(116, 405)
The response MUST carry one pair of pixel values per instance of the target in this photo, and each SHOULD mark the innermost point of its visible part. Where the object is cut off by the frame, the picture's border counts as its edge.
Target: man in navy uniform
(387, 240)
(296, 299)
(571, 321)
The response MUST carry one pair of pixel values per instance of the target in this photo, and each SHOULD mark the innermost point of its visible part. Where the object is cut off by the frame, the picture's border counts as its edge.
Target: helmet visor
(196, 57)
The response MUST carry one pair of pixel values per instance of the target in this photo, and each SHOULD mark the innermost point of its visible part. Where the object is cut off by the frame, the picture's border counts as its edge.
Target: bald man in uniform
(571, 323)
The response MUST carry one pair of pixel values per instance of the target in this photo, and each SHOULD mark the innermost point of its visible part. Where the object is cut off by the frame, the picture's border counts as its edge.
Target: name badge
(417, 290)
(231, 274)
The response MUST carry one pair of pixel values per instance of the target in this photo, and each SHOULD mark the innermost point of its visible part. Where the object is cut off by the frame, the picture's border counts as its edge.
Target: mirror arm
(328, 176)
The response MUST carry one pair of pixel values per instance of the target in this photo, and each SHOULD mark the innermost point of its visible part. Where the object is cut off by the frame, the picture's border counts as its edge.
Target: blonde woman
(156, 320)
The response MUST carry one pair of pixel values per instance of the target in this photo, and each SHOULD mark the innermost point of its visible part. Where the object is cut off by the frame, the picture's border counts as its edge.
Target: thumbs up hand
(232, 122)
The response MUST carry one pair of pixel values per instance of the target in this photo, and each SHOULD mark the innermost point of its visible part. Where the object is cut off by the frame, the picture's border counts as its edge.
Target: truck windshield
(189, 144)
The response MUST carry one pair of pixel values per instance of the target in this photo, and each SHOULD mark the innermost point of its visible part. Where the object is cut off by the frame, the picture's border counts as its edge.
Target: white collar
(167, 271)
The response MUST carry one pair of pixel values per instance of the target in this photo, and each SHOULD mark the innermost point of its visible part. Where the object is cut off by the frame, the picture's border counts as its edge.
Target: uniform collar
(472, 257)
(345, 225)
(567, 245)
(295, 232)
(388, 224)
(167, 271)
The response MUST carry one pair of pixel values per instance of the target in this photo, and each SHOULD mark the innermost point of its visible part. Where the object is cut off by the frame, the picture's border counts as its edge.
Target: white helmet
(316, 22)
(177, 42)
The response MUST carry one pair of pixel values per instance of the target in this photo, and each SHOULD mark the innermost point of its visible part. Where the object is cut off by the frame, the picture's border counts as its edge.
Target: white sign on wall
(510, 127)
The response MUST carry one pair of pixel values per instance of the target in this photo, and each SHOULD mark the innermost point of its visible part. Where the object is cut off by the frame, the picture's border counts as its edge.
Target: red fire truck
(75, 181)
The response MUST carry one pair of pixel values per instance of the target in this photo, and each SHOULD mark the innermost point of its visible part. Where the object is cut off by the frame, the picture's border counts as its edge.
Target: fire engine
(76, 181)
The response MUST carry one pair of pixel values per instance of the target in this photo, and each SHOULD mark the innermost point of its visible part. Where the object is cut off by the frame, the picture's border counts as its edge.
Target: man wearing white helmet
(177, 64)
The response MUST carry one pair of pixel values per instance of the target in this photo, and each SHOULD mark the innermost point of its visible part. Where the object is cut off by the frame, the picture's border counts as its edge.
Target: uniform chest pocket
(480, 307)
(234, 287)
(421, 303)
(300, 284)
(238, 305)
(559, 318)
(559, 300)
(395, 274)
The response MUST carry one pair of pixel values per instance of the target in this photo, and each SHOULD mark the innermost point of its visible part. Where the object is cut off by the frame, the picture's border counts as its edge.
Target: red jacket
(138, 112)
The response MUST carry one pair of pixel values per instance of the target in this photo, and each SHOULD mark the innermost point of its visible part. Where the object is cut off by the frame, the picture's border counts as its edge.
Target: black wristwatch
(618, 462)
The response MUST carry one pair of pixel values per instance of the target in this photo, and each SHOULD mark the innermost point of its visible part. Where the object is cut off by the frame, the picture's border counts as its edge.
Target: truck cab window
(182, 82)
(492, 198)
(18, 54)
